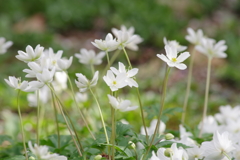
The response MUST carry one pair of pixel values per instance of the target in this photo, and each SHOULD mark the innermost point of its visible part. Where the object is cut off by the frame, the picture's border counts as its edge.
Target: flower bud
(132, 145)
(31, 158)
(169, 136)
(168, 152)
(98, 157)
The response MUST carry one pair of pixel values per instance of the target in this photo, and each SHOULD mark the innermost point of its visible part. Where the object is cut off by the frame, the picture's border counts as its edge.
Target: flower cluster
(125, 38)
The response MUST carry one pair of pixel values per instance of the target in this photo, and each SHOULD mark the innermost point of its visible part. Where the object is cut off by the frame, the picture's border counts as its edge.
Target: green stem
(38, 117)
(100, 111)
(55, 116)
(92, 69)
(61, 110)
(225, 154)
(189, 81)
(113, 133)
(139, 98)
(21, 122)
(206, 95)
(110, 62)
(81, 114)
(160, 110)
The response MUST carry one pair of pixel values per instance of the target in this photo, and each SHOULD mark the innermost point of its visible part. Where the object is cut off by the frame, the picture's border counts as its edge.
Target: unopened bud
(31, 158)
(169, 136)
(133, 146)
(98, 157)
(168, 152)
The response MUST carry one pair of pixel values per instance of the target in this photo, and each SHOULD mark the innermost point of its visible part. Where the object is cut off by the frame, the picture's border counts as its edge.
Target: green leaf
(4, 138)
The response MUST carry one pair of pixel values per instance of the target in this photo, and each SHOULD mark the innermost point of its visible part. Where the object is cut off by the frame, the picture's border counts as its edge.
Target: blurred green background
(72, 25)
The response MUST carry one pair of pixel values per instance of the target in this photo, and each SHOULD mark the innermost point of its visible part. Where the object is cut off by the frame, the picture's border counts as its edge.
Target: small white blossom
(194, 37)
(175, 44)
(44, 94)
(18, 85)
(81, 97)
(210, 48)
(218, 147)
(122, 105)
(41, 152)
(52, 58)
(30, 55)
(115, 82)
(64, 64)
(35, 68)
(175, 154)
(172, 58)
(127, 38)
(60, 81)
(195, 153)
(107, 45)
(90, 57)
(128, 74)
(151, 128)
(83, 83)
(4, 45)
(46, 76)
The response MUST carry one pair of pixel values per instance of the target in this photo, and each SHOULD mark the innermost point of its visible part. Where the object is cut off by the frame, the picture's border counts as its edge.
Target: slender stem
(206, 95)
(100, 111)
(110, 62)
(38, 117)
(225, 154)
(160, 110)
(21, 122)
(189, 81)
(74, 129)
(56, 121)
(113, 132)
(139, 98)
(60, 107)
(81, 114)
(92, 69)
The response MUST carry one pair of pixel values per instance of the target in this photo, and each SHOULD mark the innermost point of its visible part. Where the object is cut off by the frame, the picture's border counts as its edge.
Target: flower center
(114, 82)
(174, 59)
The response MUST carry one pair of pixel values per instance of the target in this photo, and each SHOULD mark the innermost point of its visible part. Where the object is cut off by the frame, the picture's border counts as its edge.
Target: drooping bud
(168, 152)
(132, 145)
(169, 136)
(98, 157)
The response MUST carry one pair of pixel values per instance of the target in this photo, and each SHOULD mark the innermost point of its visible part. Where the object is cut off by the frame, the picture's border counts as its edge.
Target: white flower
(41, 152)
(172, 59)
(60, 81)
(212, 49)
(18, 85)
(64, 64)
(35, 68)
(175, 44)
(122, 105)
(44, 94)
(127, 33)
(90, 57)
(151, 128)
(83, 83)
(176, 154)
(227, 112)
(107, 45)
(52, 58)
(115, 82)
(81, 97)
(46, 76)
(195, 153)
(216, 148)
(4, 45)
(209, 125)
(30, 55)
(194, 37)
(128, 74)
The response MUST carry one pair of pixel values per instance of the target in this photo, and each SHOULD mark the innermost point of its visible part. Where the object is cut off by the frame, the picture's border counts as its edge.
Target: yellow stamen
(114, 82)
(174, 59)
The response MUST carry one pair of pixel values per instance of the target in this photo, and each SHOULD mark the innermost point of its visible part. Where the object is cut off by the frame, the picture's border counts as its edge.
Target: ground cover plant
(110, 88)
